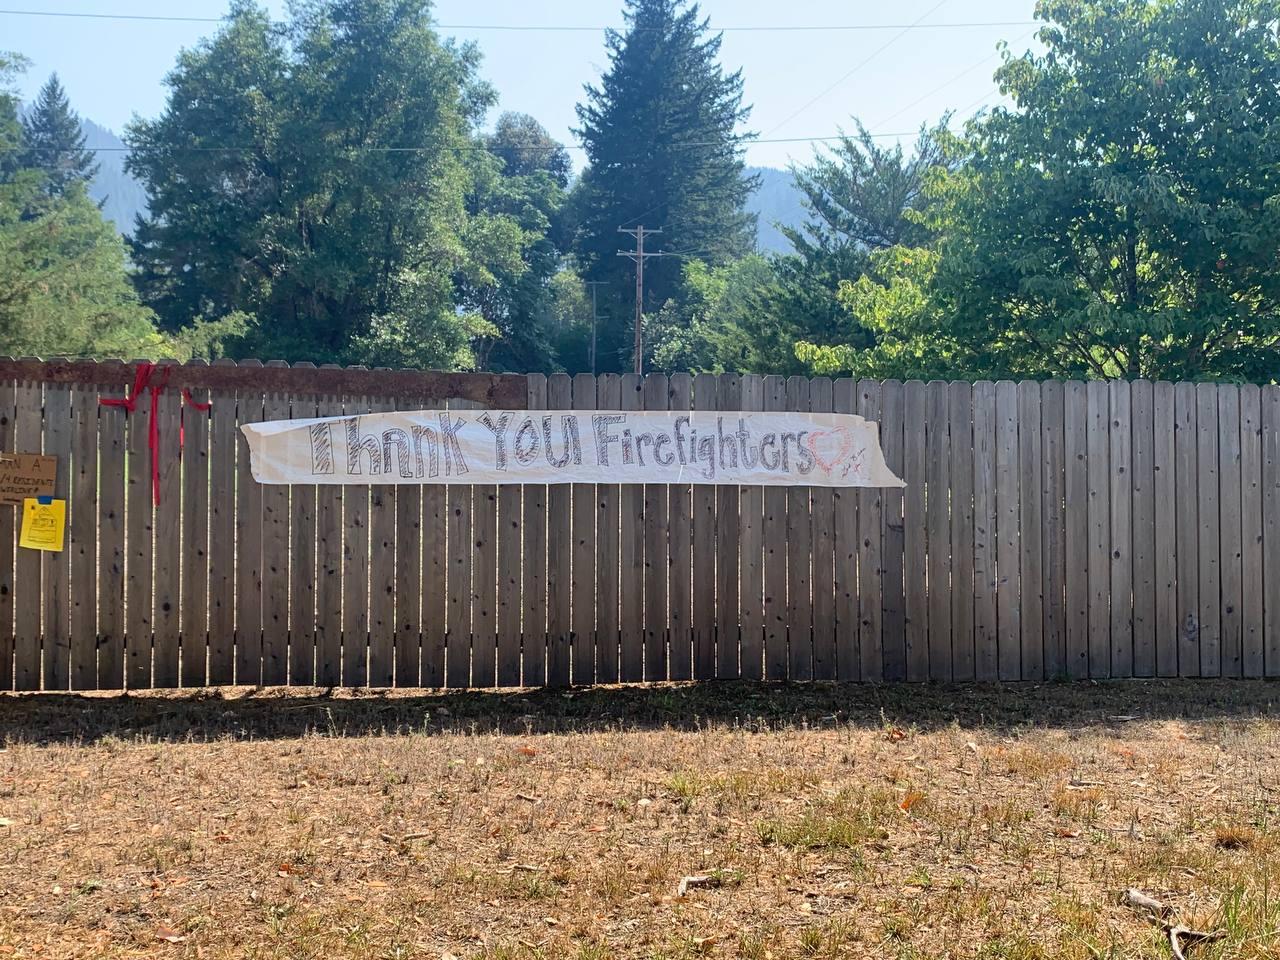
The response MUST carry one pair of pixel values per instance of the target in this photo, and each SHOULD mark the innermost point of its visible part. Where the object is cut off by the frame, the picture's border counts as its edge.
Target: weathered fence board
(1056, 529)
(8, 533)
(631, 545)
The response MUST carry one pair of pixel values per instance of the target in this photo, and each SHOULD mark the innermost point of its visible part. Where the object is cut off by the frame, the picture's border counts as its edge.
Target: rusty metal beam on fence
(504, 391)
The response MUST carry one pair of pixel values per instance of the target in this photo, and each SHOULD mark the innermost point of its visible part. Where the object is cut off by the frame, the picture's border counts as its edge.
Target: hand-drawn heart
(831, 447)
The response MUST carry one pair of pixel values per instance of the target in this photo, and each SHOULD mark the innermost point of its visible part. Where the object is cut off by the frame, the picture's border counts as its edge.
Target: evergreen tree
(663, 152)
(54, 141)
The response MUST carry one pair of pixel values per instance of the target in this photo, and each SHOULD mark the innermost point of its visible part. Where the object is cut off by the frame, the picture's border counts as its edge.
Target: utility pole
(595, 320)
(639, 256)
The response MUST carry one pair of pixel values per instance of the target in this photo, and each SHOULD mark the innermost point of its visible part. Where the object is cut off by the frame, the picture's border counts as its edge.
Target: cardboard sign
(24, 475)
(44, 523)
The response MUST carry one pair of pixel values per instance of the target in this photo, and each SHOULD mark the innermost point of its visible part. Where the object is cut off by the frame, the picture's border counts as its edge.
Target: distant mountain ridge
(122, 197)
(776, 202)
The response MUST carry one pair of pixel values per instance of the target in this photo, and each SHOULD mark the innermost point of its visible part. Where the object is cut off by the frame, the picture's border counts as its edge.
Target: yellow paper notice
(44, 523)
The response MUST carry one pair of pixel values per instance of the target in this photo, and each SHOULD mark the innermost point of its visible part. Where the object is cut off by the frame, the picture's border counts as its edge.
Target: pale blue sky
(113, 69)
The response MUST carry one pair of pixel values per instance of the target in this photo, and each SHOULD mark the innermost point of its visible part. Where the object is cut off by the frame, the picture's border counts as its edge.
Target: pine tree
(660, 132)
(54, 141)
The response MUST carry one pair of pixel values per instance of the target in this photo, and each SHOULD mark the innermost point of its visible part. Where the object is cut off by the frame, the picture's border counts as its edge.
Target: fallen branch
(405, 840)
(1159, 914)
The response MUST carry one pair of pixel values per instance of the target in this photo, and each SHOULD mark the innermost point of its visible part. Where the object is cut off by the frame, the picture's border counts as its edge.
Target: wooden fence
(1046, 530)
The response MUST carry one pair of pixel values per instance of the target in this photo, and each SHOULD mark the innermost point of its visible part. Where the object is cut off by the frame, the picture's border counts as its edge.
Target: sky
(802, 83)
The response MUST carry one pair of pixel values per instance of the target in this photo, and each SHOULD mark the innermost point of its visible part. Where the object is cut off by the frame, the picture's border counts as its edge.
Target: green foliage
(860, 198)
(712, 326)
(1122, 220)
(518, 199)
(54, 142)
(341, 221)
(663, 152)
(904, 328)
(64, 290)
(525, 148)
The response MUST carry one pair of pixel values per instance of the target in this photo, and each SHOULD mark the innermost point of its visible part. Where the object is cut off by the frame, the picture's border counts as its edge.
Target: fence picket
(382, 571)
(303, 550)
(656, 518)
(1271, 527)
(57, 568)
(774, 536)
(1097, 398)
(8, 515)
(607, 526)
(583, 573)
(1120, 593)
(249, 407)
(1031, 546)
(459, 499)
(355, 568)
(1053, 525)
(27, 568)
(1207, 506)
(1231, 552)
(914, 523)
(1253, 584)
(728, 635)
(844, 399)
(559, 545)
(83, 540)
(891, 581)
(1142, 481)
(534, 570)
(751, 553)
(631, 547)
(1188, 529)
(960, 428)
(1076, 533)
(1008, 537)
(329, 564)
(986, 635)
(222, 534)
(799, 552)
(275, 560)
(195, 539)
(870, 521)
(1164, 492)
(509, 543)
(679, 550)
(824, 547)
(703, 569)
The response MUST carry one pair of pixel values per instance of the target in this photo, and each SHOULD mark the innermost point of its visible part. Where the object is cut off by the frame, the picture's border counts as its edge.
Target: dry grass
(832, 821)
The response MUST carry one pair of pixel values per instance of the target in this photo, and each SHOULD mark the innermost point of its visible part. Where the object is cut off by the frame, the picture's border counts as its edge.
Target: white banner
(580, 446)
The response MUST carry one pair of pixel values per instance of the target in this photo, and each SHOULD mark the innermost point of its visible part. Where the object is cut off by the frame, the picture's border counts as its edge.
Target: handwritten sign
(44, 523)
(25, 475)
(558, 446)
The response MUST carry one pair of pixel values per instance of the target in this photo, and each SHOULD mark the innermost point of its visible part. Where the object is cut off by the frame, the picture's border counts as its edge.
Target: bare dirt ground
(903, 822)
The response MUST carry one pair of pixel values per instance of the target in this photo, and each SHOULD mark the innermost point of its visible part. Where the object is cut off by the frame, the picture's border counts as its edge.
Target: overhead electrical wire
(530, 148)
(553, 27)
(858, 66)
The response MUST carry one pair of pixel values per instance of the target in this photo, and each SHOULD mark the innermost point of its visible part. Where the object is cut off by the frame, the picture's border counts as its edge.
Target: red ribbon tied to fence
(144, 378)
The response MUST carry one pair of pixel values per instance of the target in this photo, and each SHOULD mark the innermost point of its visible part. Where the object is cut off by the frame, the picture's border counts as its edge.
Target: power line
(958, 76)
(555, 28)
(529, 148)
(858, 66)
